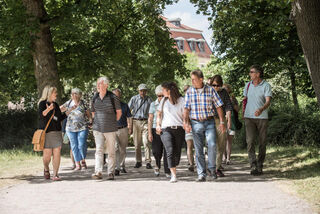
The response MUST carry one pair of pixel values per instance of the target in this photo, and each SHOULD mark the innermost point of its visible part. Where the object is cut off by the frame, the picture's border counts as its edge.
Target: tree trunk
(305, 14)
(44, 59)
(293, 88)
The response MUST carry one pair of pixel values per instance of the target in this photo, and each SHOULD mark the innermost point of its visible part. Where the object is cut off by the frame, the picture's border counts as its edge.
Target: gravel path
(139, 191)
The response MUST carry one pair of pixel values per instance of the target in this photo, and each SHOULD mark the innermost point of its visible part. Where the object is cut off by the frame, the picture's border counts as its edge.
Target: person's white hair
(158, 90)
(47, 92)
(104, 79)
(76, 91)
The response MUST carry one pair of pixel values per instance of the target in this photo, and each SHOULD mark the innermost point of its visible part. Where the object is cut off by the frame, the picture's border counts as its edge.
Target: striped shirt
(105, 119)
(201, 104)
(137, 111)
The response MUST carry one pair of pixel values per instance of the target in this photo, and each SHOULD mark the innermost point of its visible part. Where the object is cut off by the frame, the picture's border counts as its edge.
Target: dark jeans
(173, 140)
(256, 129)
(158, 151)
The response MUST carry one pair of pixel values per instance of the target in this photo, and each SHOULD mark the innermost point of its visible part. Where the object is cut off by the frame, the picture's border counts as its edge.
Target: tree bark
(305, 14)
(44, 59)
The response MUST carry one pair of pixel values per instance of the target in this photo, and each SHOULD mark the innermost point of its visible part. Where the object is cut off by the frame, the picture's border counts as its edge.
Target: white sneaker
(156, 172)
(173, 179)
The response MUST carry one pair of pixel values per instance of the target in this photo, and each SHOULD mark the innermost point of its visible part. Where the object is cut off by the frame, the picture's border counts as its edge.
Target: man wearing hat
(139, 106)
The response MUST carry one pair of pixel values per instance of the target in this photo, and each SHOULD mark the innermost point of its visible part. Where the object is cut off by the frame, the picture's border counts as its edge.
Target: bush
(16, 128)
(288, 126)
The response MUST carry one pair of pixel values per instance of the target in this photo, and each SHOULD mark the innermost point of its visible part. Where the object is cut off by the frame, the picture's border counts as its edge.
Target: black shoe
(254, 172)
(213, 175)
(191, 168)
(123, 170)
(219, 173)
(116, 172)
(138, 165)
(110, 177)
(260, 172)
(201, 179)
(148, 166)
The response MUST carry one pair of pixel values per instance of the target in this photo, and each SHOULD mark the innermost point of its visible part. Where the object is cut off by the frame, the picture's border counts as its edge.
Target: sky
(187, 13)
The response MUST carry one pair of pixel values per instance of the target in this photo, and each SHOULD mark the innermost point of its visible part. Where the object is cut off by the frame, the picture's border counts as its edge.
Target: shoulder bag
(39, 137)
(245, 101)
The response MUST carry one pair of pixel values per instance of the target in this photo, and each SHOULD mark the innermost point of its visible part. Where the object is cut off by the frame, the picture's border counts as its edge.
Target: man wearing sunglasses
(258, 93)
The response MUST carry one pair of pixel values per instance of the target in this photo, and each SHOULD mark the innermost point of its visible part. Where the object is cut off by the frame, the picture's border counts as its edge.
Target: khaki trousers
(256, 129)
(101, 139)
(140, 135)
(122, 141)
(220, 141)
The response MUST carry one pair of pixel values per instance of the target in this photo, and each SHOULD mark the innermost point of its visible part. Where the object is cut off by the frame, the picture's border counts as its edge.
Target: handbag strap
(248, 88)
(45, 129)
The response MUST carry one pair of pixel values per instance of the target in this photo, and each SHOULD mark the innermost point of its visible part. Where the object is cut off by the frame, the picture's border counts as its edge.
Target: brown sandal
(46, 174)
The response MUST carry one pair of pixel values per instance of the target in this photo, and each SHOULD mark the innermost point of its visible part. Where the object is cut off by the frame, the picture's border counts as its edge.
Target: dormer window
(200, 43)
(180, 43)
(191, 43)
(176, 22)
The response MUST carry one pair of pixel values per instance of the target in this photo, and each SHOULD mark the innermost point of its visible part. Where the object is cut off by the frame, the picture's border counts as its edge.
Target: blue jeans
(202, 130)
(78, 142)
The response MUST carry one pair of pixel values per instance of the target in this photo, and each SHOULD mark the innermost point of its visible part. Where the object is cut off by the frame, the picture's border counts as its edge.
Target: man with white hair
(106, 110)
(139, 106)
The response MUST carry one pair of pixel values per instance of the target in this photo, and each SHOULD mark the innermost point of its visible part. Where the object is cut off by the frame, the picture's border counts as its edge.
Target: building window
(176, 23)
(201, 46)
(192, 46)
(180, 45)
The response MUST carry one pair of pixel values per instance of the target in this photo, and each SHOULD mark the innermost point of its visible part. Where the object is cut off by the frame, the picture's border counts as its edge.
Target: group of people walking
(203, 117)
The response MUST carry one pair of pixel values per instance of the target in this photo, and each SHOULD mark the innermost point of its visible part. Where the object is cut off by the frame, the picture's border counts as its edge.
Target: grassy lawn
(295, 168)
(17, 165)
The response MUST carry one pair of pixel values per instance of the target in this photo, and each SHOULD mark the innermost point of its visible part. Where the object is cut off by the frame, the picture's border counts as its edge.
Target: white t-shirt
(172, 114)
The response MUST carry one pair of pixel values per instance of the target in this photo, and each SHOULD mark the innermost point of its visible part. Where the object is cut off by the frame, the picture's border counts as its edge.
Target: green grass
(297, 168)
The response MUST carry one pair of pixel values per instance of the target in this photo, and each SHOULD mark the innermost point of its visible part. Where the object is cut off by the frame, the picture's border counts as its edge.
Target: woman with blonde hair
(52, 147)
(77, 126)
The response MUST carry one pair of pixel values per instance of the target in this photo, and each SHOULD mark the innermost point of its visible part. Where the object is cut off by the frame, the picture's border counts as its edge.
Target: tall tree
(306, 15)
(77, 41)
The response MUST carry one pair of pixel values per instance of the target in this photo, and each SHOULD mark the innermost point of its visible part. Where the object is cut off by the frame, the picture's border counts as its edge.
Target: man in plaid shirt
(199, 116)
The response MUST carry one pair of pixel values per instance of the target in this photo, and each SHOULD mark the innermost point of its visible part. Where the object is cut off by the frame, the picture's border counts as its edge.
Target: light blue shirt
(153, 110)
(256, 99)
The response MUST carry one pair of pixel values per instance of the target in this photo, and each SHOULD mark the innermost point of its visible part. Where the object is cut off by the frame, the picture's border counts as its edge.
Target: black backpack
(110, 95)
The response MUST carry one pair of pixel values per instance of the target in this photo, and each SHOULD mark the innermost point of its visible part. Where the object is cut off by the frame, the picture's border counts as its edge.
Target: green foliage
(257, 32)
(287, 126)
(16, 128)
(125, 40)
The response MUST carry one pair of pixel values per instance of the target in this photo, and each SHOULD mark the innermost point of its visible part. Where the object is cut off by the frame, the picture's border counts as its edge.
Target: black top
(125, 114)
(55, 124)
(227, 105)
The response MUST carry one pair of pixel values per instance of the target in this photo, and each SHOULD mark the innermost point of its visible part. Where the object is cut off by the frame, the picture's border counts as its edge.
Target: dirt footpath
(139, 191)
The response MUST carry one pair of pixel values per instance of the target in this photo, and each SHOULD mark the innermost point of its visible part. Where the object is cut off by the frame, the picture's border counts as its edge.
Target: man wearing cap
(139, 106)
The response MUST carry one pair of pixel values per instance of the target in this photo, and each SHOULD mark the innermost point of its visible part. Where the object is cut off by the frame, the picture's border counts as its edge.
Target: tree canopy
(125, 40)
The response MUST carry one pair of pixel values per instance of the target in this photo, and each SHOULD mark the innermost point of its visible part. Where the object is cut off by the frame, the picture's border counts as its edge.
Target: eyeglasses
(252, 72)
(159, 95)
(214, 85)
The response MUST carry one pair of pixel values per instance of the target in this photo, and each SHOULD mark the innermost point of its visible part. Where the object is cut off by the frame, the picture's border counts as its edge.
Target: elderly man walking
(139, 106)
(106, 110)
(124, 128)
(258, 94)
(200, 100)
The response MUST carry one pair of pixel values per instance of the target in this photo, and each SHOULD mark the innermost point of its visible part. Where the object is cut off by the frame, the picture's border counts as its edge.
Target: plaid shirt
(201, 105)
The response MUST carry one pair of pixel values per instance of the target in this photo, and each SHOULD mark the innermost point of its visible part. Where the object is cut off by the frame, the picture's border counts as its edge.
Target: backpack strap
(111, 96)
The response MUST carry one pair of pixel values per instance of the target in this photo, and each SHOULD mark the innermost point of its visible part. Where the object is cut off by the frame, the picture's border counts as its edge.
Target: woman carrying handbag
(50, 114)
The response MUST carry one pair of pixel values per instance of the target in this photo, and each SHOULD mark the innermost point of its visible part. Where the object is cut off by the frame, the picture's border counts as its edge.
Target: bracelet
(221, 123)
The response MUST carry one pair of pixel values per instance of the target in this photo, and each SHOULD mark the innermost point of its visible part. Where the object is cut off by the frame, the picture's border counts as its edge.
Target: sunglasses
(159, 95)
(214, 85)
(252, 72)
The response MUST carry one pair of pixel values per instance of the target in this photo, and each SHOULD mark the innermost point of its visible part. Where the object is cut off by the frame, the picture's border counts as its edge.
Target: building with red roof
(189, 40)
